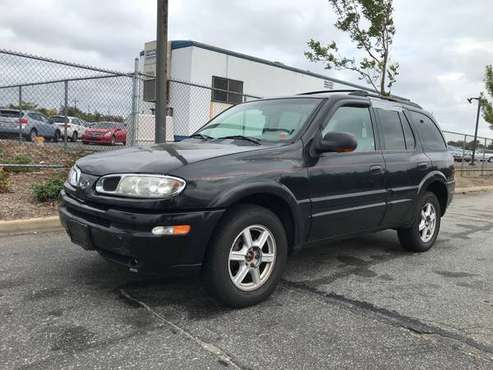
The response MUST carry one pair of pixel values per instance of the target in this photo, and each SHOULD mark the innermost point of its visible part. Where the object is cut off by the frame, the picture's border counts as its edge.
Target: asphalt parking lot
(362, 303)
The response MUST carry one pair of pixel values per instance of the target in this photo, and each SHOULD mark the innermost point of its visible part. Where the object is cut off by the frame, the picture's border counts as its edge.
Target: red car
(105, 133)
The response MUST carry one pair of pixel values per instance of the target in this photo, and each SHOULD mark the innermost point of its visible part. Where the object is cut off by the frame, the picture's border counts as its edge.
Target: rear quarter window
(430, 134)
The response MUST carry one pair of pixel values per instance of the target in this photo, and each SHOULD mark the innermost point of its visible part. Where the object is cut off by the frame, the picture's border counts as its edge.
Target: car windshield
(105, 125)
(271, 120)
(58, 119)
(9, 113)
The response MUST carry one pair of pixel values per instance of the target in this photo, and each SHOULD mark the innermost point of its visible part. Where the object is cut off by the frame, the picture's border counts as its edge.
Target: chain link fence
(53, 112)
(461, 146)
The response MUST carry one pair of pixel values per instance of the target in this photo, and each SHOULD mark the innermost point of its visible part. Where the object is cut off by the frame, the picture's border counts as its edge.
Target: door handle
(423, 165)
(376, 170)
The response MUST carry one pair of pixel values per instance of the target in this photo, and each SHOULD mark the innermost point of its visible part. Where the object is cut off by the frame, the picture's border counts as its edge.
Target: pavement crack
(222, 356)
(393, 317)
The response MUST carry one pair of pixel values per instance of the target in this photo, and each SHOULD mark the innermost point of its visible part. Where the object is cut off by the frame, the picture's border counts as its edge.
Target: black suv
(260, 181)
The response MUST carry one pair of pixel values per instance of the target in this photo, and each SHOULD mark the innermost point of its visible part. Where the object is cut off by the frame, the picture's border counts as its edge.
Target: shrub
(20, 159)
(4, 181)
(48, 190)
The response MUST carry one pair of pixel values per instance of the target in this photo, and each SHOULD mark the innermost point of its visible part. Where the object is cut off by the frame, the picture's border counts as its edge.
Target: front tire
(247, 256)
(75, 136)
(421, 236)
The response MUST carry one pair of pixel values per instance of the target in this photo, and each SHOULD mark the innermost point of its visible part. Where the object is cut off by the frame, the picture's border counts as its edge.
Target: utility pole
(161, 70)
(476, 130)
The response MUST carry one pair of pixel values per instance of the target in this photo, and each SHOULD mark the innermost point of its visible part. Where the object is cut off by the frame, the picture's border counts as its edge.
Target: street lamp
(476, 130)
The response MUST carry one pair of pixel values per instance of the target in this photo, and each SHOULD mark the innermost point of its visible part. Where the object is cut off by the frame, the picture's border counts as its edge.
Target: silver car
(28, 124)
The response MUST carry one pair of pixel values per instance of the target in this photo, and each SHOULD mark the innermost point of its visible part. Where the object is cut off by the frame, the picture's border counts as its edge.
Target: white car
(75, 126)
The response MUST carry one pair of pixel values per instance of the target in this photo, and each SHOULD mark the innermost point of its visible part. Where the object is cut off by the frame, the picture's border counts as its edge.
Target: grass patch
(19, 159)
(47, 191)
(4, 181)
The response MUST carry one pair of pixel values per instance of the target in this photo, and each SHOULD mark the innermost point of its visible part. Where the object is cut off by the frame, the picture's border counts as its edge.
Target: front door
(347, 189)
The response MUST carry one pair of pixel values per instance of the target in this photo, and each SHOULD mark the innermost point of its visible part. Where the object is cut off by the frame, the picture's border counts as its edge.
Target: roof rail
(331, 91)
(393, 98)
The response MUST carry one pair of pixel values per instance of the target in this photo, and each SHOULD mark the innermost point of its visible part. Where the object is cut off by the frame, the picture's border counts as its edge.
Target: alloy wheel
(428, 221)
(252, 257)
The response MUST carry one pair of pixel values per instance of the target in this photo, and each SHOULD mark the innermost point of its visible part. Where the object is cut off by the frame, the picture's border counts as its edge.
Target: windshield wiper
(240, 137)
(201, 136)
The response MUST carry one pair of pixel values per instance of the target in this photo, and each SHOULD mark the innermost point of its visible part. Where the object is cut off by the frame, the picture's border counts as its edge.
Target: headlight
(140, 186)
(74, 176)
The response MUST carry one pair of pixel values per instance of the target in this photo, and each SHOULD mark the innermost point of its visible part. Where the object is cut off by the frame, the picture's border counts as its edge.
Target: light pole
(476, 130)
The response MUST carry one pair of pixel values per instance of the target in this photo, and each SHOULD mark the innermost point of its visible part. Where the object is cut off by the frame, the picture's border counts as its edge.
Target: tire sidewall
(427, 197)
(217, 259)
(33, 134)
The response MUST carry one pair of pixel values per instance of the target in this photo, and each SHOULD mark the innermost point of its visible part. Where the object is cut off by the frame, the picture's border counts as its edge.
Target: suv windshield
(271, 120)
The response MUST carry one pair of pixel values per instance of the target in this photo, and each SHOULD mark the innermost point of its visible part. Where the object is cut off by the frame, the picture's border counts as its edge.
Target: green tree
(486, 105)
(370, 25)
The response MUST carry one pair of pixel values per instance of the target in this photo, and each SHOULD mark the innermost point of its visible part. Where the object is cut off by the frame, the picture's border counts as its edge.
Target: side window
(33, 116)
(408, 133)
(356, 121)
(430, 134)
(390, 124)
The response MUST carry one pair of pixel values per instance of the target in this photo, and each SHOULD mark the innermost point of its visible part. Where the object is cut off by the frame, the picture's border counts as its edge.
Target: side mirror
(336, 142)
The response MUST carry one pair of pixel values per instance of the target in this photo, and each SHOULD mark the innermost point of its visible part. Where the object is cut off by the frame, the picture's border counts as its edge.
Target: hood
(158, 159)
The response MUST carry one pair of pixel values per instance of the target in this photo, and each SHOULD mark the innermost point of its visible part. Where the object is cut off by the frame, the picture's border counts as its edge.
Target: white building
(204, 80)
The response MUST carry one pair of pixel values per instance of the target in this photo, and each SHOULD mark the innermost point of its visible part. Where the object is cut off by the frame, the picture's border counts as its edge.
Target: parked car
(105, 133)
(75, 126)
(261, 181)
(29, 123)
(456, 153)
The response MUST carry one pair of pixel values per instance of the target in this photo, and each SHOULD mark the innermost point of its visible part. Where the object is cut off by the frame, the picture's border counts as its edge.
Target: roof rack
(392, 98)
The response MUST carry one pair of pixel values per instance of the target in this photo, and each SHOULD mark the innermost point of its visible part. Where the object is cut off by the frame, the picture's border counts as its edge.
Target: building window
(227, 91)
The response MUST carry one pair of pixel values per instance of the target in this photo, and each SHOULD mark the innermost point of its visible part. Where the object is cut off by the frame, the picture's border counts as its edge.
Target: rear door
(348, 191)
(434, 144)
(406, 164)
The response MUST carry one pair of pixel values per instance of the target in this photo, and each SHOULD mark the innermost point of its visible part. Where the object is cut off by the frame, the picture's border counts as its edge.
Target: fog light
(171, 230)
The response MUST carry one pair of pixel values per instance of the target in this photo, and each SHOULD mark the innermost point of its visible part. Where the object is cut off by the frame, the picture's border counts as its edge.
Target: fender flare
(435, 176)
(237, 193)
(431, 177)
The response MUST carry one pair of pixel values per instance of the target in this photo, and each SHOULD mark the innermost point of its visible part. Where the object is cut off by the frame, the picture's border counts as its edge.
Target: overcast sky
(441, 45)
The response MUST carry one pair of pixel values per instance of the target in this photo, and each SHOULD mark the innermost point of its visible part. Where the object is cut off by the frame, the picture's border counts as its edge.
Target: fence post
(484, 157)
(65, 114)
(20, 113)
(135, 102)
(463, 155)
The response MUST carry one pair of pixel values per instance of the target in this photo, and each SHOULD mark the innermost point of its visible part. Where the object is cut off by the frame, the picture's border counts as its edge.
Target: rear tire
(75, 136)
(423, 233)
(56, 136)
(32, 135)
(113, 140)
(241, 271)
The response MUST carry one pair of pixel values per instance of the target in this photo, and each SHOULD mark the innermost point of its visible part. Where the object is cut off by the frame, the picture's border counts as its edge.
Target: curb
(473, 189)
(30, 225)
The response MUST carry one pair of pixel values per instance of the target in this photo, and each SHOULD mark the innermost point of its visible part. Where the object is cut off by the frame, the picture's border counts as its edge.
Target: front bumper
(96, 139)
(125, 237)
